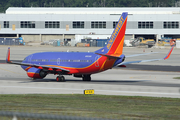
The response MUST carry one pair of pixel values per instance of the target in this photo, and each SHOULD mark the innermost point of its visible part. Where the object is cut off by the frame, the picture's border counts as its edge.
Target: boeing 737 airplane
(80, 64)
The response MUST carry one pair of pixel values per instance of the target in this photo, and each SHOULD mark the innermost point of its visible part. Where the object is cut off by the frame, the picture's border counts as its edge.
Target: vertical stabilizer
(115, 44)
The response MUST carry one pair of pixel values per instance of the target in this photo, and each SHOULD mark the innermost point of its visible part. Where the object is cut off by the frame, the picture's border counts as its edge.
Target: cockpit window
(25, 59)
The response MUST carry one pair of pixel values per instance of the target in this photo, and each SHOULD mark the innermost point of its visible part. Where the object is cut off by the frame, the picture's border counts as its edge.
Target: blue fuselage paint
(64, 59)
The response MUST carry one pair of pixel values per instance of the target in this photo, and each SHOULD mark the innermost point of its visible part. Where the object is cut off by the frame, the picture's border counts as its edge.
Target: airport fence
(29, 116)
(9, 41)
(83, 43)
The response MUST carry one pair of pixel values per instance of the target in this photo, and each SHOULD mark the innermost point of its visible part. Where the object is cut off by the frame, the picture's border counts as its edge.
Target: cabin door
(58, 61)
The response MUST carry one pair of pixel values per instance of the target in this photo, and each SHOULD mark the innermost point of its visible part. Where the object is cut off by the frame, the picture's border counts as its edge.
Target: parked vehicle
(140, 41)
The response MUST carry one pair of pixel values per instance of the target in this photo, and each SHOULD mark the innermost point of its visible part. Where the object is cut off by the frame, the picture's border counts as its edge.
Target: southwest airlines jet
(80, 64)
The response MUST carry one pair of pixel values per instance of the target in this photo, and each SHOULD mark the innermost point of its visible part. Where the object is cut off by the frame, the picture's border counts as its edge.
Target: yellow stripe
(102, 66)
(114, 62)
(27, 68)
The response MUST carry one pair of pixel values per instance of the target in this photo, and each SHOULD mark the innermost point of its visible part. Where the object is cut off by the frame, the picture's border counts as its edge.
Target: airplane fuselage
(76, 62)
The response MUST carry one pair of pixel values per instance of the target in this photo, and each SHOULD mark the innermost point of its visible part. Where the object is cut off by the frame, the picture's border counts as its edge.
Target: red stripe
(33, 75)
(118, 39)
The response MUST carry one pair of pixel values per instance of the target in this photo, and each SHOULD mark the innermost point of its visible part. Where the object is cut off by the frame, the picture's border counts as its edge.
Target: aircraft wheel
(86, 77)
(60, 79)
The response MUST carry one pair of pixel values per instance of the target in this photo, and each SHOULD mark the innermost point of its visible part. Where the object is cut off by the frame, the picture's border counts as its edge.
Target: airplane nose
(24, 67)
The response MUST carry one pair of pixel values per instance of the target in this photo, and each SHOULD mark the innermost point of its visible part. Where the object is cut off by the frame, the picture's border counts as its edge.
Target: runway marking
(157, 93)
(10, 71)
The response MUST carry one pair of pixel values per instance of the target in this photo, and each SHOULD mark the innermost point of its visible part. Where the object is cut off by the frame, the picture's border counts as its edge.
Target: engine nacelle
(36, 73)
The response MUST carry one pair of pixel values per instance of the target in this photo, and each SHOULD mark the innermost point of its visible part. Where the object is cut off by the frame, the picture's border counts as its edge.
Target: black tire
(60, 79)
(86, 77)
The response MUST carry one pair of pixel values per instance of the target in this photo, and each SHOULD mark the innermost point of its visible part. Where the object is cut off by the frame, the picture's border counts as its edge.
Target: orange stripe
(27, 68)
(119, 50)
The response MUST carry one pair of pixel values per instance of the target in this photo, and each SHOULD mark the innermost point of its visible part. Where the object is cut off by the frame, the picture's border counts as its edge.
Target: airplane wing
(150, 60)
(127, 56)
(34, 65)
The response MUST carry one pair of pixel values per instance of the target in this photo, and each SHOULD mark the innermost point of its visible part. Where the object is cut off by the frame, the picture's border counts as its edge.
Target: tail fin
(116, 41)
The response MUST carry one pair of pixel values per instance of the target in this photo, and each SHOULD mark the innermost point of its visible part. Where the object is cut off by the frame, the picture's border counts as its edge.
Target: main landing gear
(60, 78)
(86, 78)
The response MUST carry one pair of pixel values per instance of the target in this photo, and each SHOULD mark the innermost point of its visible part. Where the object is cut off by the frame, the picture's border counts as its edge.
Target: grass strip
(99, 106)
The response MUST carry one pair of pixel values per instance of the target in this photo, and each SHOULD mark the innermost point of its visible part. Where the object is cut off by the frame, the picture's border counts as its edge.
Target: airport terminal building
(74, 24)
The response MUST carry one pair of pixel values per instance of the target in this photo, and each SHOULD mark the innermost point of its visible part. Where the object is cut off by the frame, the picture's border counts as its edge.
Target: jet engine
(36, 73)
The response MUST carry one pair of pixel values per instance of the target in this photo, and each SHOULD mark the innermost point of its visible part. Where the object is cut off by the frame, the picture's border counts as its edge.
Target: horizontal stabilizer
(110, 56)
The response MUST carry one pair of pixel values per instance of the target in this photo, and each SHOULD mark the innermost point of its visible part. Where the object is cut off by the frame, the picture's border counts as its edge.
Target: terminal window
(78, 24)
(27, 24)
(52, 24)
(172, 25)
(145, 25)
(115, 23)
(6, 24)
(98, 24)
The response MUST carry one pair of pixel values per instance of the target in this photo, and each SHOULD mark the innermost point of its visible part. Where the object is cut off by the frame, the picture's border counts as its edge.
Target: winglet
(8, 56)
(169, 53)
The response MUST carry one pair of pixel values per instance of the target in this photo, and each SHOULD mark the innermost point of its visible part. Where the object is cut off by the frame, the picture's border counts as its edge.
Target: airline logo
(115, 33)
